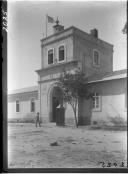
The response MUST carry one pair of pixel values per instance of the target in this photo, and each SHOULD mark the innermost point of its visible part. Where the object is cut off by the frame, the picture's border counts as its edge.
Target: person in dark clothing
(37, 119)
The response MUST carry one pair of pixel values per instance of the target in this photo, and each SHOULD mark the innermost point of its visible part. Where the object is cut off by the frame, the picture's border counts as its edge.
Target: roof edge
(75, 28)
(23, 90)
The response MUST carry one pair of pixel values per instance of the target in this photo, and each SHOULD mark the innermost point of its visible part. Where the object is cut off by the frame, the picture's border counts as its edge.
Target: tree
(74, 86)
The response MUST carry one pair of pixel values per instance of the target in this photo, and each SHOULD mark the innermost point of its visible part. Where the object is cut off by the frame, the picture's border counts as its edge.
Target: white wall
(113, 100)
(25, 111)
(112, 106)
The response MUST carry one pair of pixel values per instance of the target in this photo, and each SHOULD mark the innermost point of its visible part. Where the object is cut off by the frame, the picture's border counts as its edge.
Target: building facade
(23, 104)
(72, 49)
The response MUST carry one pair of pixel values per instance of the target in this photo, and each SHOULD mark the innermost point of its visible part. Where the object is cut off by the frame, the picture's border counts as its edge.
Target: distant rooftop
(108, 76)
(22, 90)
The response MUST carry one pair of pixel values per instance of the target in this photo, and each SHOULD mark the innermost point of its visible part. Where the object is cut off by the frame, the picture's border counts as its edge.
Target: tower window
(96, 102)
(50, 56)
(17, 106)
(61, 53)
(96, 58)
(32, 105)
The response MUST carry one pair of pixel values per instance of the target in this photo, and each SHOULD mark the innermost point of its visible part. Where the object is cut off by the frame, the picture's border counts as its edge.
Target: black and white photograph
(66, 84)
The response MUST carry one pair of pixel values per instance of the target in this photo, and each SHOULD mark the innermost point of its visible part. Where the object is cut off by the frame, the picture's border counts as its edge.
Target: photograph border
(5, 128)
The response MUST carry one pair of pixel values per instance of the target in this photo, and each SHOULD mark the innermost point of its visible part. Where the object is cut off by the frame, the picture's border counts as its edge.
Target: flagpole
(46, 25)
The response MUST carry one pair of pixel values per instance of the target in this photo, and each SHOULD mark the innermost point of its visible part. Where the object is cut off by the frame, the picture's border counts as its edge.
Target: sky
(27, 26)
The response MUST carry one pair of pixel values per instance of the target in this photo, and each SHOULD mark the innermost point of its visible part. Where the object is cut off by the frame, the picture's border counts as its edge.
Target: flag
(50, 19)
(125, 29)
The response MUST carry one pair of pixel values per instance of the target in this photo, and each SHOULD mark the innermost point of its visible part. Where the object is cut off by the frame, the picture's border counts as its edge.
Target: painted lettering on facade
(50, 77)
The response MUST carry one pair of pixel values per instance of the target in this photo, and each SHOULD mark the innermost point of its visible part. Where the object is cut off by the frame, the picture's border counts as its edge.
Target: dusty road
(29, 147)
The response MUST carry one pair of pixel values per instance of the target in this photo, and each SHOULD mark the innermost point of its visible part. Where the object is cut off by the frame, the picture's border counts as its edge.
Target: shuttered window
(96, 58)
(17, 106)
(32, 105)
(61, 53)
(50, 56)
(96, 102)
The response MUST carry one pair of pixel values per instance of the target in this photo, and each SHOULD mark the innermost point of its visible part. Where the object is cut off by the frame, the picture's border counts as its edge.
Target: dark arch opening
(56, 101)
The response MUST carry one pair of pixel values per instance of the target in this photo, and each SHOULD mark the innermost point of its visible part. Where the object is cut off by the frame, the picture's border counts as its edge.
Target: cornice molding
(57, 66)
(57, 40)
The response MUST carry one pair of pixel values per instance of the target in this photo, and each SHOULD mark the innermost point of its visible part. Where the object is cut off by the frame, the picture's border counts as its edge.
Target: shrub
(118, 121)
(94, 122)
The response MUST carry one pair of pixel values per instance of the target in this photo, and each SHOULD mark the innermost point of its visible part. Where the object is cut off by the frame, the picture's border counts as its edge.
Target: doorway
(56, 101)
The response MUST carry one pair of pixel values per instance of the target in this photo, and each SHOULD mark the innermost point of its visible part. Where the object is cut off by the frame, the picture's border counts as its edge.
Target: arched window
(32, 105)
(96, 102)
(50, 56)
(17, 106)
(96, 58)
(61, 53)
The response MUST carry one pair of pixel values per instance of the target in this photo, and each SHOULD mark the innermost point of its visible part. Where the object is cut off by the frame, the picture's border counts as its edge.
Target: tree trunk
(75, 117)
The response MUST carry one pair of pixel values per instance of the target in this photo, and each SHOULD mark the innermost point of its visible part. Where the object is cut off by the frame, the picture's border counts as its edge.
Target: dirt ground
(30, 147)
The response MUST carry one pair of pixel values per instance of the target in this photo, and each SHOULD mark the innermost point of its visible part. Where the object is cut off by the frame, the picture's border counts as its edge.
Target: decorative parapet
(53, 72)
(63, 66)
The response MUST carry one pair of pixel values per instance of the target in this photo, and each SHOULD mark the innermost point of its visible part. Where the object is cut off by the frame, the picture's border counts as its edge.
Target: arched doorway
(56, 100)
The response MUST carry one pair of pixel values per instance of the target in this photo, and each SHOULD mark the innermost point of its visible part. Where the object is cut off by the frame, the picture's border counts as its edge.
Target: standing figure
(37, 119)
